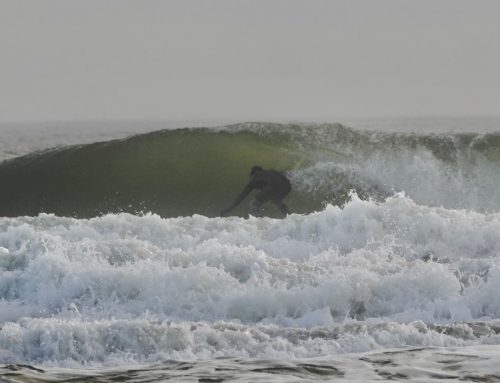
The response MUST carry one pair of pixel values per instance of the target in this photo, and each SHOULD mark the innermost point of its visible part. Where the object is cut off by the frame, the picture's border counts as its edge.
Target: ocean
(115, 265)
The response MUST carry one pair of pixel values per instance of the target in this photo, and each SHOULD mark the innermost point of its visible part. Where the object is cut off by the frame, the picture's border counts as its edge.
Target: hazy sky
(234, 59)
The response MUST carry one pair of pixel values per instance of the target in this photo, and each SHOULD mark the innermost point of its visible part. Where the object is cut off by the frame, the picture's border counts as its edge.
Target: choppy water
(396, 280)
(477, 364)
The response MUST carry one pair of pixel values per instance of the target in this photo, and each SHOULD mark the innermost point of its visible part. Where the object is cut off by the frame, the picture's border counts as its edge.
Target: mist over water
(390, 260)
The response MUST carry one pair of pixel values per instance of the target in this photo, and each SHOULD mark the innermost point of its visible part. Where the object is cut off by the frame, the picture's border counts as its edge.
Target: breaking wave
(198, 171)
(122, 288)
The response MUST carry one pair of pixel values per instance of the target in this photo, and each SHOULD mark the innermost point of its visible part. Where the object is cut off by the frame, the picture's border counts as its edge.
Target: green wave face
(200, 171)
(173, 173)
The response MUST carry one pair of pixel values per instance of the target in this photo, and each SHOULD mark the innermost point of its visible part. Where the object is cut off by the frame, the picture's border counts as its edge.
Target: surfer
(272, 185)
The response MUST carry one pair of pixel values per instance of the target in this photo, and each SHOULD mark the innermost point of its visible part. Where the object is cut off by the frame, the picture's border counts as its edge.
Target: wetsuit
(272, 185)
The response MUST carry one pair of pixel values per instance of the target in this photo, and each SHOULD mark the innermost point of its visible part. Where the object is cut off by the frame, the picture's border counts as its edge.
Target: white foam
(367, 276)
(470, 183)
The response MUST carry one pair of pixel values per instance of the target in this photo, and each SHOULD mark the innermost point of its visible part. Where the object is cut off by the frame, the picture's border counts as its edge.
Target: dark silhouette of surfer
(272, 185)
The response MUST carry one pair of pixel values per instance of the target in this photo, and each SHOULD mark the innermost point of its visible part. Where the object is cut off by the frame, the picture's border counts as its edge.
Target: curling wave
(198, 171)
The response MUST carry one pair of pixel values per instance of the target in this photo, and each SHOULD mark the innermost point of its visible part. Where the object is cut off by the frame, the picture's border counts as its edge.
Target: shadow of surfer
(272, 185)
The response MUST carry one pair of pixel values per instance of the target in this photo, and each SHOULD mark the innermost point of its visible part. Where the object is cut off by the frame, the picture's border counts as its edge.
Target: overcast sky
(235, 59)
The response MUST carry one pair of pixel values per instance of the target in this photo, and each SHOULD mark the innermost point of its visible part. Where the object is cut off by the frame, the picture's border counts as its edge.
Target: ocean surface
(115, 264)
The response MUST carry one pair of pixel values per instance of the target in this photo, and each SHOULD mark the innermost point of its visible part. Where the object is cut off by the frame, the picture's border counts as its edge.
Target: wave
(199, 171)
(124, 288)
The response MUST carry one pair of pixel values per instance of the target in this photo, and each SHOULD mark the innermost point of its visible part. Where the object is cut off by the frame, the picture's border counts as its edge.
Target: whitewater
(388, 269)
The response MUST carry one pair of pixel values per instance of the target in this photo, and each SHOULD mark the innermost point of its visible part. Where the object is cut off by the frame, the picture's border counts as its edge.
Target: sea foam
(123, 288)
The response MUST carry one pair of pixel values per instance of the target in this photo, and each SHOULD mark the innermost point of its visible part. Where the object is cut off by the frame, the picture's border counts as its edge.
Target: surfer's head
(255, 169)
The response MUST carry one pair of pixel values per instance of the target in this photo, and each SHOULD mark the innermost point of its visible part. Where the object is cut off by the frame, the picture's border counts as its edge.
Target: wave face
(123, 289)
(199, 171)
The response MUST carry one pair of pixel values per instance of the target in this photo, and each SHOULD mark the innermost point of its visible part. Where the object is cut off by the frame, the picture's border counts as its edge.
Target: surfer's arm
(241, 197)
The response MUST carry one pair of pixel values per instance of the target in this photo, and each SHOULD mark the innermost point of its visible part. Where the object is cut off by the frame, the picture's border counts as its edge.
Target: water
(18, 139)
(389, 269)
